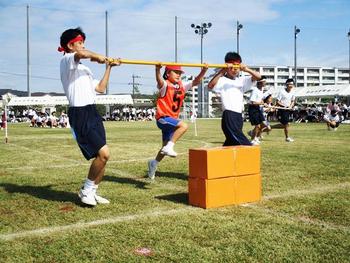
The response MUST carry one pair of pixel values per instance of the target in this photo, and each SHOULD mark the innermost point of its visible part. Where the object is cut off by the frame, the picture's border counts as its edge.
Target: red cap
(167, 68)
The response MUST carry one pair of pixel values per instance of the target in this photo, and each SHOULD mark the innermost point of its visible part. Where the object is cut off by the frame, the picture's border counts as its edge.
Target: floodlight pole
(296, 31)
(239, 27)
(349, 54)
(202, 30)
(28, 55)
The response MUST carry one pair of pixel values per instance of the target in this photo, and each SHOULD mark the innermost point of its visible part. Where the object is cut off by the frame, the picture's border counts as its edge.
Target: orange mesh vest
(170, 104)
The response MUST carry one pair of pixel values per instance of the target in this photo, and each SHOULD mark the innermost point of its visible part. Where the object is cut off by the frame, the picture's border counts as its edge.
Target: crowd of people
(128, 113)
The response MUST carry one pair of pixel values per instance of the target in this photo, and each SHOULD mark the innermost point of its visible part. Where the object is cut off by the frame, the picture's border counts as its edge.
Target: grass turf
(304, 216)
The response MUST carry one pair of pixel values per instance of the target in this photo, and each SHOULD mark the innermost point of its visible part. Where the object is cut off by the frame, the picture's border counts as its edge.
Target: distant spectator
(332, 120)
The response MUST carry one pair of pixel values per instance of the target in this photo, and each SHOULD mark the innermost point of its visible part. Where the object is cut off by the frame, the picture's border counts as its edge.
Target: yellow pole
(142, 62)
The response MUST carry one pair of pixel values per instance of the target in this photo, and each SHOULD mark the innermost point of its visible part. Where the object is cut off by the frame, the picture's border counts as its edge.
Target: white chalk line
(84, 225)
(114, 220)
(302, 193)
(81, 163)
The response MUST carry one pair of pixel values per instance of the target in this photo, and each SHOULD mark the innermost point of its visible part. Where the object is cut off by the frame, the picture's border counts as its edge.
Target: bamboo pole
(142, 62)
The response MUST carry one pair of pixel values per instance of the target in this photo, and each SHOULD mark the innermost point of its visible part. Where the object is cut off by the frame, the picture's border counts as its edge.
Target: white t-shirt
(285, 98)
(187, 86)
(256, 96)
(77, 81)
(231, 92)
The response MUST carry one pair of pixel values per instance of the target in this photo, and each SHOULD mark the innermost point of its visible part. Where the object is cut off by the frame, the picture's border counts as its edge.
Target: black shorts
(232, 124)
(256, 116)
(283, 116)
(88, 130)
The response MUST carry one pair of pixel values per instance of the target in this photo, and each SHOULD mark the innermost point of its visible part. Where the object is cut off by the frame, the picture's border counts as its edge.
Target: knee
(184, 126)
(104, 154)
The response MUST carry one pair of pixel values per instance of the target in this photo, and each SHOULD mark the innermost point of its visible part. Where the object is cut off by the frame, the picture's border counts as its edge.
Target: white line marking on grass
(316, 190)
(47, 154)
(78, 226)
(156, 213)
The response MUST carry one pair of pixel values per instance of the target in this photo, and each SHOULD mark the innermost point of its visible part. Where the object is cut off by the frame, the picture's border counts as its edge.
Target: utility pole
(135, 85)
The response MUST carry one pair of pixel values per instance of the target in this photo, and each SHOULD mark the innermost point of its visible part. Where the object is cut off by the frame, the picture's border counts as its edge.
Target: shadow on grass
(181, 198)
(43, 192)
(124, 180)
(181, 176)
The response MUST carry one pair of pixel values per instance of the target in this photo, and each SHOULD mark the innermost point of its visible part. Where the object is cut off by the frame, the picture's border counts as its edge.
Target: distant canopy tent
(62, 100)
(326, 91)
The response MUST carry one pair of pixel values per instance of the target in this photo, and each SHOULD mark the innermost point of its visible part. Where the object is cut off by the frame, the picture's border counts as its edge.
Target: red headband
(76, 39)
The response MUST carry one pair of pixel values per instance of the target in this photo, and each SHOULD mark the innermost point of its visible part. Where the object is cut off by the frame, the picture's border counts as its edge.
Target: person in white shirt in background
(286, 100)
(332, 120)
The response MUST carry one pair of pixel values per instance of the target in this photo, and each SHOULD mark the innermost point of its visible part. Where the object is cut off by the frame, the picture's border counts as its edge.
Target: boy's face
(233, 71)
(290, 86)
(79, 45)
(174, 76)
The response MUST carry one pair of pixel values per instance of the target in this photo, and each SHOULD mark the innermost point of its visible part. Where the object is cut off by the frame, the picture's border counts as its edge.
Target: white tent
(342, 90)
(62, 100)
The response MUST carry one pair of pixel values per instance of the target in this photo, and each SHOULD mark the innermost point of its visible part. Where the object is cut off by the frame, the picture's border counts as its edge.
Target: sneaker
(255, 142)
(87, 197)
(152, 167)
(168, 151)
(101, 200)
(334, 129)
(289, 139)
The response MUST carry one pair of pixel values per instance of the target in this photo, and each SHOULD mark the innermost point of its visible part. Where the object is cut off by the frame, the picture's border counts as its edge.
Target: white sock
(170, 144)
(89, 184)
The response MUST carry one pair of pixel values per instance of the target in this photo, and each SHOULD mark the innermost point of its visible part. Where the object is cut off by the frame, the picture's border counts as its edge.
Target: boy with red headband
(231, 87)
(171, 96)
(80, 88)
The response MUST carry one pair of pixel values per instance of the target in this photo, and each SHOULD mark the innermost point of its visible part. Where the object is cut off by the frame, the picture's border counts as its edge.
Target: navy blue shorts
(283, 116)
(232, 124)
(256, 116)
(88, 130)
(168, 126)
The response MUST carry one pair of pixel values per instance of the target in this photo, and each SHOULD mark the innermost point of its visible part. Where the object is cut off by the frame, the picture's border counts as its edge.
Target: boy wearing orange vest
(171, 96)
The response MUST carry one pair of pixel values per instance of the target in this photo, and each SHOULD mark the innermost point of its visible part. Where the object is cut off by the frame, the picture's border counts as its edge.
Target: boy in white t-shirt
(231, 88)
(80, 88)
(285, 100)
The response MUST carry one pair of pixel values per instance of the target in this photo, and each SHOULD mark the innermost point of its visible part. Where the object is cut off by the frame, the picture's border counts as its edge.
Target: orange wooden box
(223, 162)
(224, 191)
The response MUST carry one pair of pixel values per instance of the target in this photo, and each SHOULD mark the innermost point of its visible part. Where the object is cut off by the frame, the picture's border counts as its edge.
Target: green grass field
(304, 215)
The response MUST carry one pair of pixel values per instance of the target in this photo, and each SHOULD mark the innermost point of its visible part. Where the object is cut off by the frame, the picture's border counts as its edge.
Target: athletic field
(304, 215)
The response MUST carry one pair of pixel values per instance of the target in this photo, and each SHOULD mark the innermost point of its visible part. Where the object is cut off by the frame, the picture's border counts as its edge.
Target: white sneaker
(87, 197)
(255, 142)
(168, 151)
(334, 129)
(101, 200)
(152, 167)
(289, 139)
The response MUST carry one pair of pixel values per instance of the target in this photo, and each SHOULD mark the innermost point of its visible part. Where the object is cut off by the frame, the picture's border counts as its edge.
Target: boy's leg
(97, 168)
(88, 193)
(181, 128)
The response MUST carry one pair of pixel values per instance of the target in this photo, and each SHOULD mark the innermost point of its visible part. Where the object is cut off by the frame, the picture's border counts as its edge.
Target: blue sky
(144, 30)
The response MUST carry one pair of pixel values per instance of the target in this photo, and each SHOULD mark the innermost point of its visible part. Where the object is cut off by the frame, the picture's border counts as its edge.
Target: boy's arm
(198, 79)
(102, 85)
(159, 78)
(215, 79)
(84, 54)
(255, 75)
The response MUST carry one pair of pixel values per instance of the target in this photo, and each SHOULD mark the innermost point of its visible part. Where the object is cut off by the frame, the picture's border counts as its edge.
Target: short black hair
(267, 97)
(290, 80)
(230, 56)
(69, 34)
